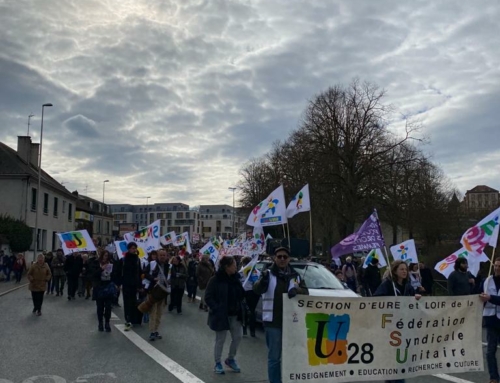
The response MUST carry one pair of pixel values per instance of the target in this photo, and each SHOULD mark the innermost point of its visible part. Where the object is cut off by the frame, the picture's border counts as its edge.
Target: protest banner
(121, 249)
(148, 237)
(76, 241)
(382, 338)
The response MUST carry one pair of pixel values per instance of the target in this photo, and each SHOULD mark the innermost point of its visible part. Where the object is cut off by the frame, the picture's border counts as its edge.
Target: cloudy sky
(169, 98)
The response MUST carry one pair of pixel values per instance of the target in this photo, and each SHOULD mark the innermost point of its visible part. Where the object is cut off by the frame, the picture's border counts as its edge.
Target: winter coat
(178, 276)
(39, 275)
(58, 266)
(386, 289)
(150, 275)
(204, 272)
(217, 298)
(129, 271)
(73, 266)
(372, 279)
(191, 271)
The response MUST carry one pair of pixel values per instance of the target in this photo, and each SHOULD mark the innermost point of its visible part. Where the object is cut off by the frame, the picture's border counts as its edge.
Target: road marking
(451, 378)
(114, 316)
(168, 364)
(14, 289)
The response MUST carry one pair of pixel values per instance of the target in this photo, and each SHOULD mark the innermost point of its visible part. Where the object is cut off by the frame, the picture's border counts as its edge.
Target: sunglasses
(282, 256)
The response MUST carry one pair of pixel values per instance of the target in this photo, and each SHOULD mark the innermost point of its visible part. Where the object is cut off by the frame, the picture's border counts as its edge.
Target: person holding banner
(279, 279)
(224, 297)
(178, 276)
(38, 275)
(491, 314)
(251, 299)
(73, 267)
(397, 284)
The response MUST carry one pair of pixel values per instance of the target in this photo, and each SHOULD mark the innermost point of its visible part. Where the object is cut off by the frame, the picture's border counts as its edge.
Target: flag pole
(310, 233)
(288, 231)
(492, 260)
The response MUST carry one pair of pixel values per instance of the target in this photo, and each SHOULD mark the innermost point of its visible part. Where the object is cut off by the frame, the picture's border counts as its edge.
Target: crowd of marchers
(148, 287)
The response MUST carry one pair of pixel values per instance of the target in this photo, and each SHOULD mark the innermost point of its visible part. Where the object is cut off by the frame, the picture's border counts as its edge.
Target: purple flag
(368, 237)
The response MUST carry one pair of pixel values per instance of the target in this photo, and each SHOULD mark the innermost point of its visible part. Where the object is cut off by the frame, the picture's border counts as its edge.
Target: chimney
(34, 154)
(24, 148)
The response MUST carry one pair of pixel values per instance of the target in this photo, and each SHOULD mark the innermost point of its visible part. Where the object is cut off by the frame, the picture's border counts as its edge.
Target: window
(169, 215)
(45, 203)
(162, 222)
(107, 227)
(70, 212)
(56, 203)
(64, 207)
(34, 199)
(187, 215)
(179, 215)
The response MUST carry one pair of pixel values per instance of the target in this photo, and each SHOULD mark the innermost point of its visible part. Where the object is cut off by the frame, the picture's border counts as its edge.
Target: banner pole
(310, 233)
(492, 260)
(288, 231)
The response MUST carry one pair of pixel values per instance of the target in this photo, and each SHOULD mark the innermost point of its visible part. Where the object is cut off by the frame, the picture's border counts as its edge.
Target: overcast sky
(169, 98)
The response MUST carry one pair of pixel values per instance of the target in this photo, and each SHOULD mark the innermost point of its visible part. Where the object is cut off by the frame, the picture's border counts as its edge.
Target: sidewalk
(6, 286)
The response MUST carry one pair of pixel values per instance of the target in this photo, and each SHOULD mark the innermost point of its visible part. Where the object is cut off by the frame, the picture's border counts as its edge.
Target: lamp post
(233, 189)
(38, 191)
(147, 213)
(102, 211)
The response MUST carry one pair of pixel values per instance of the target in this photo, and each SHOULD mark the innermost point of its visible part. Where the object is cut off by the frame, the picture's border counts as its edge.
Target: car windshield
(316, 276)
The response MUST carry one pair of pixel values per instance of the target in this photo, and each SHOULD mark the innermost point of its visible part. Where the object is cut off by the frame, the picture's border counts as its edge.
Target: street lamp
(233, 189)
(147, 213)
(39, 183)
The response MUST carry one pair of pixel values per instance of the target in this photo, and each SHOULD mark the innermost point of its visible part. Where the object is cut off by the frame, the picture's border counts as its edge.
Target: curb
(14, 289)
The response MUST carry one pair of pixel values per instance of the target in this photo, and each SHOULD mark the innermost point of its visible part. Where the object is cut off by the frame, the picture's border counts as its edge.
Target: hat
(130, 244)
(282, 248)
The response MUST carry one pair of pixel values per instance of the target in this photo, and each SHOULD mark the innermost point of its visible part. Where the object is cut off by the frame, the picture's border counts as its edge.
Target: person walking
(156, 274)
(38, 275)
(19, 267)
(130, 280)
(279, 279)
(427, 278)
(192, 282)
(103, 277)
(204, 271)
(491, 315)
(349, 271)
(397, 284)
(59, 276)
(49, 257)
(459, 281)
(178, 276)
(251, 299)
(371, 277)
(224, 296)
(73, 267)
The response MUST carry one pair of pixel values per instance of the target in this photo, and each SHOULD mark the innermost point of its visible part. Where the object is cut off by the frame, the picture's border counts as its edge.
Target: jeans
(59, 281)
(493, 339)
(191, 290)
(220, 337)
(50, 285)
(104, 309)
(37, 297)
(7, 270)
(19, 275)
(273, 341)
(176, 299)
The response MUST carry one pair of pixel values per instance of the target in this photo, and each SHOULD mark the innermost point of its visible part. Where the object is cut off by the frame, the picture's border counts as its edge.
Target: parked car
(318, 279)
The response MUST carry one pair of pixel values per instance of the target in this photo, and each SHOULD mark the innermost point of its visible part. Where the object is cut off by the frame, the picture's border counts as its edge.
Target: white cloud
(169, 99)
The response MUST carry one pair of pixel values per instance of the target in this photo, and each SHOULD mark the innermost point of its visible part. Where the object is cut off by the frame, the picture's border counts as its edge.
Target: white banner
(377, 254)
(168, 238)
(329, 339)
(212, 251)
(148, 237)
(405, 251)
(76, 241)
(447, 265)
(300, 203)
(271, 211)
(121, 249)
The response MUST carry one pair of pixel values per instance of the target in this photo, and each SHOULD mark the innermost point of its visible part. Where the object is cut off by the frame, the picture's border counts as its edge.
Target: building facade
(176, 217)
(19, 195)
(481, 198)
(95, 217)
(218, 220)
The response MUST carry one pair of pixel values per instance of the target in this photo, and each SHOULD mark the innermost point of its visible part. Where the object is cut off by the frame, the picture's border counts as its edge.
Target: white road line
(451, 378)
(168, 364)
(114, 316)
(14, 289)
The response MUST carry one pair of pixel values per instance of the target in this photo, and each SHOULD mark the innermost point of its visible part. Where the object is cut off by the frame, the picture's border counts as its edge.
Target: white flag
(148, 237)
(377, 254)
(271, 211)
(210, 250)
(446, 266)
(121, 249)
(168, 238)
(250, 273)
(405, 251)
(484, 233)
(76, 241)
(300, 203)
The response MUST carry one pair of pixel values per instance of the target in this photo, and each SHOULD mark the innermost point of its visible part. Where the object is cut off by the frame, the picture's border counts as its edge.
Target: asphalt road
(64, 346)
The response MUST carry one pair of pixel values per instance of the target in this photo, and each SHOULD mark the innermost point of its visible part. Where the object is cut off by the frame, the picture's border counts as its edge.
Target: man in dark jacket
(130, 280)
(459, 280)
(427, 278)
(281, 278)
(73, 267)
(371, 277)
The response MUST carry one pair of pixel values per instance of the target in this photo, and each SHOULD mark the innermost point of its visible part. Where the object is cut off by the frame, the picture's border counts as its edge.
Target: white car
(319, 281)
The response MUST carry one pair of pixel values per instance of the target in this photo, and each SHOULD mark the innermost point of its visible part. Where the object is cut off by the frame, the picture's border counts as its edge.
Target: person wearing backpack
(349, 272)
